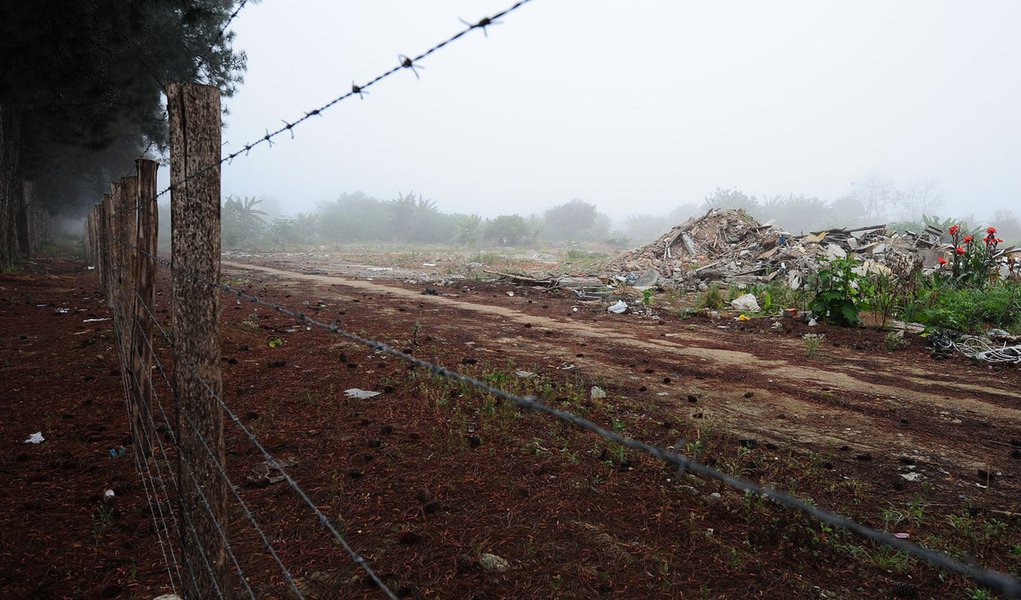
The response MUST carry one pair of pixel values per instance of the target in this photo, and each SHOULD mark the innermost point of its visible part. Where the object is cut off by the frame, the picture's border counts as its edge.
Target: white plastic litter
(108, 494)
(618, 308)
(35, 438)
(746, 303)
(96, 320)
(360, 394)
(524, 374)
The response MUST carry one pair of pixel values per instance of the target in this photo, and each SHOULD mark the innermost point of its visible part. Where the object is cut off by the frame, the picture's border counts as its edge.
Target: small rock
(492, 563)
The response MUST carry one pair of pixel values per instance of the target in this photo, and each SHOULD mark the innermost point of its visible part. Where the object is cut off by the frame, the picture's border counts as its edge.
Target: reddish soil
(428, 476)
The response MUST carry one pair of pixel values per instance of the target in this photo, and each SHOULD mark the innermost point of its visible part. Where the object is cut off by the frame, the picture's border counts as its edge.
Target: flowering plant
(973, 264)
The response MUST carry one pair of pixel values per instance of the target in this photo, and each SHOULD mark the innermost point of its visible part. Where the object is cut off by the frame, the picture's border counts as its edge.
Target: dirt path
(897, 405)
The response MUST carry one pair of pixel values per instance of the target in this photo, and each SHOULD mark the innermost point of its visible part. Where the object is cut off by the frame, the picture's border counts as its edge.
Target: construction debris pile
(730, 245)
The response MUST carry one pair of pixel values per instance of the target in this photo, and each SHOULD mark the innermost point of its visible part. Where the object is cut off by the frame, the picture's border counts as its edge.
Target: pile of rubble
(730, 245)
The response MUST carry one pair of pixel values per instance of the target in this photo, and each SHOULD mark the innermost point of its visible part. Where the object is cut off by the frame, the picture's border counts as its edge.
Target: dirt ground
(428, 477)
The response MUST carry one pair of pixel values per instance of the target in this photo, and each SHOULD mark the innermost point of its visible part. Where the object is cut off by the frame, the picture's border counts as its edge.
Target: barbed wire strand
(191, 472)
(154, 433)
(184, 514)
(1000, 582)
(323, 519)
(244, 506)
(356, 90)
(146, 482)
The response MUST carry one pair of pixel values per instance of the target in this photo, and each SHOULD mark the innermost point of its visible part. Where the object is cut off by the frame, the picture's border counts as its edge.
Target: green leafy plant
(838, 292)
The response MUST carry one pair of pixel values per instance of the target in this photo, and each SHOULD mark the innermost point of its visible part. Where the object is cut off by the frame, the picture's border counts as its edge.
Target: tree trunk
(11, 187)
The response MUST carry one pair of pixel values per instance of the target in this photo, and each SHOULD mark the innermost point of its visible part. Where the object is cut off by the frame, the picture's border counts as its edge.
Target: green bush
(838, 292)
(970, 310)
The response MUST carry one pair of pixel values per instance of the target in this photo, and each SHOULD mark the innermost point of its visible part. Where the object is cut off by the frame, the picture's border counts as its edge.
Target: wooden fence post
(104, 248)
(143, 284)
(125, 198)
(194, 112)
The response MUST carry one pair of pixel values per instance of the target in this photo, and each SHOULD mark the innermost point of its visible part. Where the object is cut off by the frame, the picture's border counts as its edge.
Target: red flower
(941, 260)
(955, 229)
(991, 230)
(967, 239)
(959, 250)
(998, 240)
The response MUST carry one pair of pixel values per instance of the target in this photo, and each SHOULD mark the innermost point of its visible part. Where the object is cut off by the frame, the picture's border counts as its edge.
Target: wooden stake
(195, 246)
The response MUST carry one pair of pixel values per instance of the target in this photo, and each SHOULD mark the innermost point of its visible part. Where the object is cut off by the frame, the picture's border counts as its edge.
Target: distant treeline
(410, 218)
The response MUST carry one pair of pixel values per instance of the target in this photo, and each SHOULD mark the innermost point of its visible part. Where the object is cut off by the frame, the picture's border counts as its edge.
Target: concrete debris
(729, 245)
(746, 303)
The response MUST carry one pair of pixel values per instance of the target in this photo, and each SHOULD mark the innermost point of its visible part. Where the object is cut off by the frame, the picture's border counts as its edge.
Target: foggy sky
(636, 106)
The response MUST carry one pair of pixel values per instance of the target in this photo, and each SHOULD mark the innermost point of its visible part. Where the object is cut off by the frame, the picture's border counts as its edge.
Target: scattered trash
(493, 563)
(428, 264)
(108, 494)
(269, 472)
(977, 348)
(746, 303)
(743, 317)
(511, 294)
(63, 311)
(430, 292)
(911, 476)
(597, 392)
(35, 438)
(117, 452)
(777, 325)
(618, 308)
(360, 394)
(96, 320)
(524, 374)
(380, 269)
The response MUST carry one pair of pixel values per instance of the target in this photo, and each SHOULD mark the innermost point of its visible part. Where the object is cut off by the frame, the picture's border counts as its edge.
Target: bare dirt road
(952, 415)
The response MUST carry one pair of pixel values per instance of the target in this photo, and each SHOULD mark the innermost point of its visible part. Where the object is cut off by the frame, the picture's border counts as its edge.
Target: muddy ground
(429, 476)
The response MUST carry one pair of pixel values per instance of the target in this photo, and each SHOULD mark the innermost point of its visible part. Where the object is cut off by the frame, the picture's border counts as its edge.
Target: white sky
(636, 105)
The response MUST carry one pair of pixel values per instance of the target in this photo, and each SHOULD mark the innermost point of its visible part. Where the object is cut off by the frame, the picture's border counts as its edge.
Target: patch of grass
(812, 343)
(485, 257)
(712, 298)
(970, 310)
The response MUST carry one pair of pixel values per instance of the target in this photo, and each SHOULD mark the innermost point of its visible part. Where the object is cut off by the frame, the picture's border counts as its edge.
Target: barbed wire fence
(178, 450)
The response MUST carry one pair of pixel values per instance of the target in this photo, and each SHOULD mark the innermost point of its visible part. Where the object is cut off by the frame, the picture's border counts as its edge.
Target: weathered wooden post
(144, 285)
(125, 198)
(105, 259)
(194, 112)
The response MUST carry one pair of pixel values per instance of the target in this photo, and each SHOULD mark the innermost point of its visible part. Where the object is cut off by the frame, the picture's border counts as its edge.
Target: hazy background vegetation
(255, 223)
